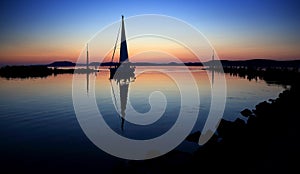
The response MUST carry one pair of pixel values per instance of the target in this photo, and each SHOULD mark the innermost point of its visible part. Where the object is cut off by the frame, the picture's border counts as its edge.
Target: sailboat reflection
(123, 84)
(88, 80)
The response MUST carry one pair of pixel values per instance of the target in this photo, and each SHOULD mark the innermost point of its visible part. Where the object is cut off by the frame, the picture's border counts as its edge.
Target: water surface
(38, 125)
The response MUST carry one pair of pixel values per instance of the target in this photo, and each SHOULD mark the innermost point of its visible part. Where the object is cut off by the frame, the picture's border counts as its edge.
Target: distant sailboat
(123, 67)
(87, 69)
(87, 57)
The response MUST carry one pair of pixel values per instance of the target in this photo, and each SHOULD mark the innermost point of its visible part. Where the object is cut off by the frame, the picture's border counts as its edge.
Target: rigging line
(112, 58)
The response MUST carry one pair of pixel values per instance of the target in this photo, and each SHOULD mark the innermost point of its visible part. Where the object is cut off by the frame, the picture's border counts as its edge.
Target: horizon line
(158, 63)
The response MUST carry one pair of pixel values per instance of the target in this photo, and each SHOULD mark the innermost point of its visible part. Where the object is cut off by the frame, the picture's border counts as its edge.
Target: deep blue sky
(38, 31)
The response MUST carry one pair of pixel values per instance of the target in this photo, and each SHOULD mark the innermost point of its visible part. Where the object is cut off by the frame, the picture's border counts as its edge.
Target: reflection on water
(37, 116)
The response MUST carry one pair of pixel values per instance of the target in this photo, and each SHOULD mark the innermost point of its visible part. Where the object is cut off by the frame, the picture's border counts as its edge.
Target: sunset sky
(34, 31)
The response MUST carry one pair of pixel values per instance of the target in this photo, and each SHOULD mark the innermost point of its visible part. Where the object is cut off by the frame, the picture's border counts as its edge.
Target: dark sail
(123, 50)
(123, 69)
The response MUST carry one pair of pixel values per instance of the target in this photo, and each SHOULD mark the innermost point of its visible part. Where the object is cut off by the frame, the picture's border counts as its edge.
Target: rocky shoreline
(263, 144)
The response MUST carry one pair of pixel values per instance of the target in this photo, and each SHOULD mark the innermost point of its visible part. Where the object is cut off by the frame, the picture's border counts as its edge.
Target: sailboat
(122, 69)
(122, 72)
(86, 70)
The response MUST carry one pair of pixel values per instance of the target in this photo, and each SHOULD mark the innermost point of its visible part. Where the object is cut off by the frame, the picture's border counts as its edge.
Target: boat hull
(121, 72)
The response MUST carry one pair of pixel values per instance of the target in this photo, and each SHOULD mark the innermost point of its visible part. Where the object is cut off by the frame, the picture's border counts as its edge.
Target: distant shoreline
(250, 62)
(38, 71)
(35, 71)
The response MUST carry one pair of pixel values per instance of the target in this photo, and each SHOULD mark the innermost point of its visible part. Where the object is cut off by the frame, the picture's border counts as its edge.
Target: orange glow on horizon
(154, 50)
(144, 49)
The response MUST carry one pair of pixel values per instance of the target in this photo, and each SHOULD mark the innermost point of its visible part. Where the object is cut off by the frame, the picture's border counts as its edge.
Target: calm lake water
(39, 128)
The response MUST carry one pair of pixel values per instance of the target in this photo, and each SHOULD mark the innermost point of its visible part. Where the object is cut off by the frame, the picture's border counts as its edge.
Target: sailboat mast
(123, 50)
(87, 56)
